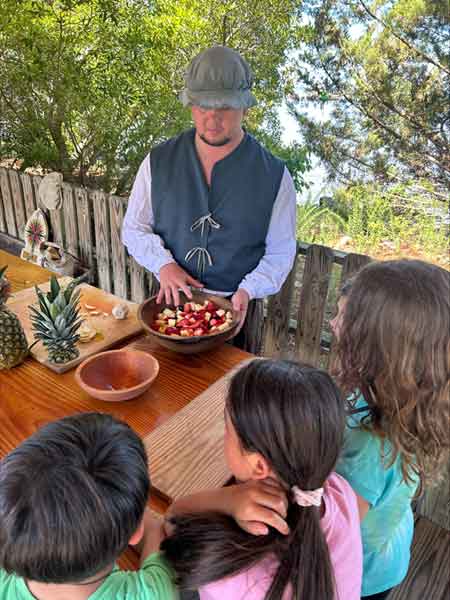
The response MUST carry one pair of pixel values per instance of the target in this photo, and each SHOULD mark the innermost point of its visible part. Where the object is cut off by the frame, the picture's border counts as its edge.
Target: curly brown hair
(394, 346)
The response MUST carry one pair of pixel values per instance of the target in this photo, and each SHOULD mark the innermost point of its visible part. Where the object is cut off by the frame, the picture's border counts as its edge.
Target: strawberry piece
(210, 307)
(187, 307)
(183, 323)
(172, 331)
(199, 331)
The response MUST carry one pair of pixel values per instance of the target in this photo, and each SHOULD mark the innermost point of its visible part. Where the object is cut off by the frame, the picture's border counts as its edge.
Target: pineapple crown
(57, 319)
(5, 286)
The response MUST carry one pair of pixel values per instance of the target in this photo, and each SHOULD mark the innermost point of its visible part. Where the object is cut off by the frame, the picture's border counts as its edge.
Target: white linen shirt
(266, 278)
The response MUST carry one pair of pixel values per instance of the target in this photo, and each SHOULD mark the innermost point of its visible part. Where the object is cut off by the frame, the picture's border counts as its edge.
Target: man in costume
(211, 208)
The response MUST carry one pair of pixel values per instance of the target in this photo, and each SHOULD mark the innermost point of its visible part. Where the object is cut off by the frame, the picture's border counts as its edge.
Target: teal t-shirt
(153, 581)
(388, 527)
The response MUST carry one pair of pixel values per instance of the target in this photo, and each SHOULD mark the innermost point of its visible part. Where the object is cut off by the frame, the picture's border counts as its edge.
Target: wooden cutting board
(109, 330)
(186, 451)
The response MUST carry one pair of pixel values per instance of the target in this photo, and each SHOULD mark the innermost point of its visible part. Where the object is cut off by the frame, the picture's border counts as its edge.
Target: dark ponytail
(294, 416)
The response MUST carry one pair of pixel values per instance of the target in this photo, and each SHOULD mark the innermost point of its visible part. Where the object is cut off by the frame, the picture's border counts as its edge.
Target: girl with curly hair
(393, 332)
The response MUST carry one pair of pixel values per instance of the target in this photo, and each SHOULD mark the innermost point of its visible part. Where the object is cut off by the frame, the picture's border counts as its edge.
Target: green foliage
(318, 224)
(90, 87)
(381, 72)
(402, 220)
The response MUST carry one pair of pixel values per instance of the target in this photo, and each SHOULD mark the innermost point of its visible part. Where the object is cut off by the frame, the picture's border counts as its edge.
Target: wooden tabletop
(32, 395)
(22, 274)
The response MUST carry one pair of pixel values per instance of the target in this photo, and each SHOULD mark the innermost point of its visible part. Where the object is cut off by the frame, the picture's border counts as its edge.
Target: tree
(381, 72)
(88, 87)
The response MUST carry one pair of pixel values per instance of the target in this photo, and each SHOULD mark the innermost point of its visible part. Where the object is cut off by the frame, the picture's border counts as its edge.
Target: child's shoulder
(339, 497)
(13, 587)
(155, 580)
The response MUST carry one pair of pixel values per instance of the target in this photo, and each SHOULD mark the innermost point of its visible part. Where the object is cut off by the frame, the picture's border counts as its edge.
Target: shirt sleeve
(361, 464)
(137, 231)
(281, 245)
(159, 577)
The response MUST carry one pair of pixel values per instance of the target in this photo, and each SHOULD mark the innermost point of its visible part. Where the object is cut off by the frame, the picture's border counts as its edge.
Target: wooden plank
(119, 258)
(138, 281)
(434, 504)
(278, 317)
(186, 452)
(8, 205)
(100, 202)
(428, 575)
(57, 227)
(70, 220)
(36, 181)
(85, 236)
(18, 202)
(28, 194)
(21, 273)
(3, 228)
(251, 336)
(313, 297)
(352, 263)
(109, 330)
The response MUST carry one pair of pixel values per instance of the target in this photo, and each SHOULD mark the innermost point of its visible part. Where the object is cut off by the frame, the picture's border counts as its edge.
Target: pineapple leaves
(54, 288)
(57, 320)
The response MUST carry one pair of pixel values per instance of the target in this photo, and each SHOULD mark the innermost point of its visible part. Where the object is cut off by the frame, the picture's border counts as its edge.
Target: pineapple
(57, 321)
(13, 343)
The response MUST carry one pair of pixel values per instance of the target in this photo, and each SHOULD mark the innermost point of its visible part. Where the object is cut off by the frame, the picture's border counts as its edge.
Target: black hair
(294, 416)
(71, 497)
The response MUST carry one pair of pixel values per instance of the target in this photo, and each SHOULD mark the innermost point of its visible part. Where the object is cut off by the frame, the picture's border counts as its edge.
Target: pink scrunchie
(310, 498)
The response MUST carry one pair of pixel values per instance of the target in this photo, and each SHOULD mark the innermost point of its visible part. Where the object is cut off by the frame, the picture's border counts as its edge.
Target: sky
(316, 176)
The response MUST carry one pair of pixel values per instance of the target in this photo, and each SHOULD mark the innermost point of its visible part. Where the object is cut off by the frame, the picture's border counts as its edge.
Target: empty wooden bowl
(188, 345)
(117, 374)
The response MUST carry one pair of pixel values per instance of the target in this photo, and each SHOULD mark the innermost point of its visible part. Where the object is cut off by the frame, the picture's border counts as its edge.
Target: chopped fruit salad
(193, 319)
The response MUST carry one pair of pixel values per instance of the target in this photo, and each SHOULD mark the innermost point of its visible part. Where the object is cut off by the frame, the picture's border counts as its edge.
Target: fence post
(351, 265)
(278, 317)
(313, 297)
(102, 239)
(119, 258)
(8, 206)
(18, 202)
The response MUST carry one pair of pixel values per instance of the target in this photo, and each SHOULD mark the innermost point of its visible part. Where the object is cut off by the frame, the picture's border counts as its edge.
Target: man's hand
(256, 504)
(240, 301)
(172, 278)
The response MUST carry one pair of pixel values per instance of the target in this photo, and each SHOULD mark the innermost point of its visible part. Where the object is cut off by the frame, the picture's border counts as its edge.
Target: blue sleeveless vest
(216, 233)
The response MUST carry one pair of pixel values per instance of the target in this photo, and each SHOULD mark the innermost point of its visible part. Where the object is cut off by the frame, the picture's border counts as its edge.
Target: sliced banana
(86, 333)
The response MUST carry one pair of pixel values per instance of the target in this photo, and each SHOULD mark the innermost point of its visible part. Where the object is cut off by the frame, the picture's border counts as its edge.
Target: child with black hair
(284, 425)
(72, 497)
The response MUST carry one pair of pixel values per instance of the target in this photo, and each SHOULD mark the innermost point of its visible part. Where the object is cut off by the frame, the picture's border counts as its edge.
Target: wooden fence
(89, 227)
(296, 324)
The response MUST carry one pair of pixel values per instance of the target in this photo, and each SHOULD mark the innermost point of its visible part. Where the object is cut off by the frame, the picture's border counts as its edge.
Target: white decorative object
(120, 311)
(50, 191)
(36, 232)
(53, 257)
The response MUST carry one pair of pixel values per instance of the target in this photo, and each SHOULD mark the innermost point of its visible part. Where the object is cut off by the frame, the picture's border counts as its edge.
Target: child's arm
(363, 506)
(152, 537)
(254, 505)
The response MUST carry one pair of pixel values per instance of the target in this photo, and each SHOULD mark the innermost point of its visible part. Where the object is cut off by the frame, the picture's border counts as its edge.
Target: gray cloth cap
(218, 78)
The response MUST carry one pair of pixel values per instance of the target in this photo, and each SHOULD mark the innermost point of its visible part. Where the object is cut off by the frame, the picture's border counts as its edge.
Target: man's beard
(222, 142)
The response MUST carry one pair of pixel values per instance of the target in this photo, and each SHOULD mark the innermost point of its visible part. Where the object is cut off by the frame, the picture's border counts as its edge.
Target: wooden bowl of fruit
(196, 325)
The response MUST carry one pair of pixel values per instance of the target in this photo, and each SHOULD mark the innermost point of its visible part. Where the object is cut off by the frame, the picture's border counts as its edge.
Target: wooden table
(32, 395)
(22, 274)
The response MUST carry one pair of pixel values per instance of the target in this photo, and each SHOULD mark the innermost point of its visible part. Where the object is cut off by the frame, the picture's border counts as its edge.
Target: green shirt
(388, 527)
(153, 581)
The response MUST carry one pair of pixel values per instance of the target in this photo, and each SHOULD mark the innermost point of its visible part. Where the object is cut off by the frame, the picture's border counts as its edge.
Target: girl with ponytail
(284, 425)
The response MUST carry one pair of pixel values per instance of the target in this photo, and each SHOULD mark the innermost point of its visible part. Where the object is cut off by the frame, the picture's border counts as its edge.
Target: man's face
(217, 126)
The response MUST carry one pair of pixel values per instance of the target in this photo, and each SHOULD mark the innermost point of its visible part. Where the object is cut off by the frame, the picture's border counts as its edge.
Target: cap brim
(218, 98)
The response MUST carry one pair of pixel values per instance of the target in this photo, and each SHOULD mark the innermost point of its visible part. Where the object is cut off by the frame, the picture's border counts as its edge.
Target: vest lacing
(203, 256)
